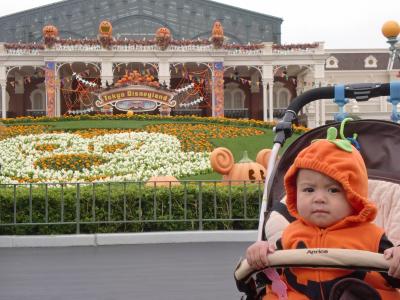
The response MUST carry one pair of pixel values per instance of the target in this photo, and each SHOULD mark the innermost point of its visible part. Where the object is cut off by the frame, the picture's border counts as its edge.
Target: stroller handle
(359, 91)
(320, 258)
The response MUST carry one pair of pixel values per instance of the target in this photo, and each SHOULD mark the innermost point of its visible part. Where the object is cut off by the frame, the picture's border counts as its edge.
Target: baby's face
(320, 199)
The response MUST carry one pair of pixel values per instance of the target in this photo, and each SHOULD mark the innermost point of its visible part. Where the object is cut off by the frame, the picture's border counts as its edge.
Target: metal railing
(65, 208)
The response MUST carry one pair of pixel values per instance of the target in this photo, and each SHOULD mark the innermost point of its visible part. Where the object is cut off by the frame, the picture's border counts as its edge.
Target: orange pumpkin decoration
(245, 170)
(105, 28)
(105, 34)
(164, 181)
(50, 31)
(50, 35)
(163, 37)
(217, 34)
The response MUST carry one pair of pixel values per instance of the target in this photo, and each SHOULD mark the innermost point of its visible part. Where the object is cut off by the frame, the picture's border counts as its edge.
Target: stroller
(379, 143)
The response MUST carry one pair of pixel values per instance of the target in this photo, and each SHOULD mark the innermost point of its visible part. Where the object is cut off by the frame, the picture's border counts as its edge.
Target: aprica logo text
(317, 251)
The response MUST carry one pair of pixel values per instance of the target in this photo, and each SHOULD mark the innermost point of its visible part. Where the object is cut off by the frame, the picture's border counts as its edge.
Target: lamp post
(391, 30)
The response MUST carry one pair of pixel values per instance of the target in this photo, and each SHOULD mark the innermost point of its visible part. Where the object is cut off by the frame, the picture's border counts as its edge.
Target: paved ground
(159, 271)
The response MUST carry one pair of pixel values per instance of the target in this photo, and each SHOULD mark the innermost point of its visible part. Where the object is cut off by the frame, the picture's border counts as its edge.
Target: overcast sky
(340, 23)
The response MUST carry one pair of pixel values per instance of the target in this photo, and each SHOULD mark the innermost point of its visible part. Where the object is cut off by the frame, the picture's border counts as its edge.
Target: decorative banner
(218, 89)
(50, 82)
(137, 98)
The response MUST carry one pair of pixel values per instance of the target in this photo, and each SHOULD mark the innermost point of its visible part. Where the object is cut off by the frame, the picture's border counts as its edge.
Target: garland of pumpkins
(163, 36)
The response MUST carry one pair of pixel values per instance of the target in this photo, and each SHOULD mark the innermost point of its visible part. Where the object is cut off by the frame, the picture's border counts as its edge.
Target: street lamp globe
(391, 29)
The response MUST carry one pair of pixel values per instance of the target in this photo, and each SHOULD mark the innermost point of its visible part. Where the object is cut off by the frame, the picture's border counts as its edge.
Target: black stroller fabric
(353, 289)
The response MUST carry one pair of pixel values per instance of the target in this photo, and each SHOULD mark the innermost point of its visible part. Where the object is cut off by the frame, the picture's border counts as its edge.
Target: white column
(323, 105)
(265, 101)
(3, 99)
(319, 77)
(268, 103)
(106, 73)
(3, 82)
(271, 102)
(317, 113)
(323, 112)
(164, 74)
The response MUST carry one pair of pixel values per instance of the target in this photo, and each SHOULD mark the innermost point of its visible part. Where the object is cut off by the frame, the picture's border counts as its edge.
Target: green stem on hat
(245, 158)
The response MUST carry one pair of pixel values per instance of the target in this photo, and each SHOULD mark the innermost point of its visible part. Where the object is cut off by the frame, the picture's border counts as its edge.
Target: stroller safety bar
(360, 92)
(320, 258)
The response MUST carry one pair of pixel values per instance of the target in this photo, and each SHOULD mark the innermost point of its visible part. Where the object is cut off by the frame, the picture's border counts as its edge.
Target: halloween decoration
(217, 37)
(163, 37)
(50, 35)
(245, 170)
(165, 181)
(105, 34)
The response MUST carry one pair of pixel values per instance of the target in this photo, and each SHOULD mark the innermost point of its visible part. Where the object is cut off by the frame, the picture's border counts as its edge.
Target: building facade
(238, 70)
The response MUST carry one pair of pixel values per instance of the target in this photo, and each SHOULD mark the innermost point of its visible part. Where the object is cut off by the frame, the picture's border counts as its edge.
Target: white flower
(145, 154)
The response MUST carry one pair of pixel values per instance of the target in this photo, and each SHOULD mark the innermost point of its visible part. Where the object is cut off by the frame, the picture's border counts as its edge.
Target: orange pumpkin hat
(338, 159)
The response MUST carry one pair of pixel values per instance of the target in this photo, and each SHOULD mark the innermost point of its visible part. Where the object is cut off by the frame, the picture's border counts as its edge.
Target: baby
(326, 191)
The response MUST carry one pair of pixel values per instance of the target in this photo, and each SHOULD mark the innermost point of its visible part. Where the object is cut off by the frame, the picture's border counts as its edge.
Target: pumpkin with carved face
(50, 31)
(105, 34)
(217, 34)
(245, 170)
(50, 35)
(105, 28)
(163, 37)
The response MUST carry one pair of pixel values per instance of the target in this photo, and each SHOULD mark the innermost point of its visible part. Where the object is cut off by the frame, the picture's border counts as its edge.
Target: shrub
(126, 207)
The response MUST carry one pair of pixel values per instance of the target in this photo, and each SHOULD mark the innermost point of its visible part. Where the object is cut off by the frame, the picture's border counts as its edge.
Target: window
(227, 99)
(332, 63)
(282, 98)
(370, 62)
(38, 100)
(234, 97)
(238, 99)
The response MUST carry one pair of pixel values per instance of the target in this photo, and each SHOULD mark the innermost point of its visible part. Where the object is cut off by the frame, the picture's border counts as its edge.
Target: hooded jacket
(346, 166)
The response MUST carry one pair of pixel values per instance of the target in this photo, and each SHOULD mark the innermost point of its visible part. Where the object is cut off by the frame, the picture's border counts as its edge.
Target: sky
(341, 24)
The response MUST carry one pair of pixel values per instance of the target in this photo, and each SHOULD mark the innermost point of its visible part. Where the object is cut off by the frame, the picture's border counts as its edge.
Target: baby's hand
(394, 253)
(257, 253)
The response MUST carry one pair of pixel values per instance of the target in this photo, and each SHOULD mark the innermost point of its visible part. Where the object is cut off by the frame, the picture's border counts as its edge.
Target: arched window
(282, 98)
(38, 100)
(227, 99)
(234, 97)
(238, 99)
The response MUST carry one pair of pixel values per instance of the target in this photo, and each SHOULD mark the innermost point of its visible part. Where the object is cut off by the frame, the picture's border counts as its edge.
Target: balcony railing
(238, 113)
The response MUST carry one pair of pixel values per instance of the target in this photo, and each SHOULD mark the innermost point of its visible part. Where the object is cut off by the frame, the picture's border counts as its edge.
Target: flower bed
(196, 137)
(74, 162)
(191, 119)
(27, 156)
(145, 155)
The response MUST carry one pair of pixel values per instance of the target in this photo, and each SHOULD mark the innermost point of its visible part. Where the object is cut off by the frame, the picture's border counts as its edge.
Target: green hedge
(106, 201)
